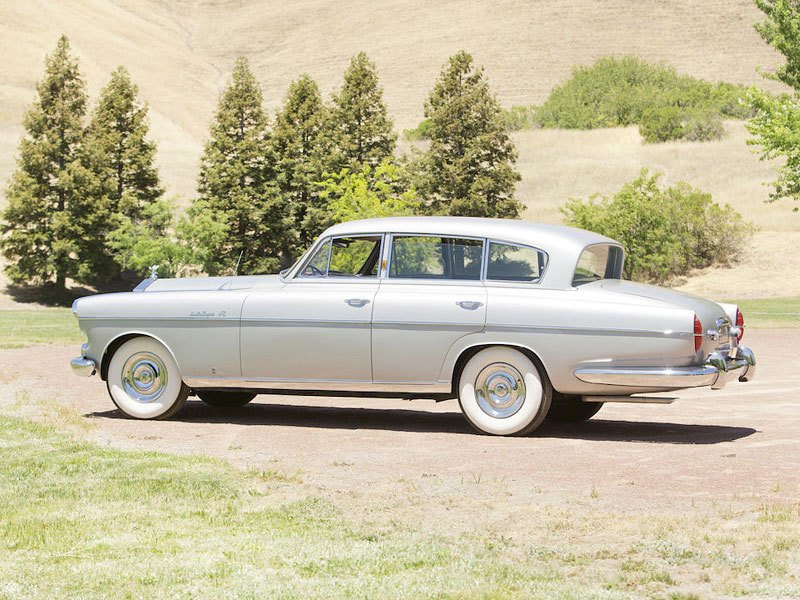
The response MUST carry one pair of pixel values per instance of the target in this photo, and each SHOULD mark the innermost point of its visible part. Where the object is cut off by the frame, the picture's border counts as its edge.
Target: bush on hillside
(618, 92)
(666, 231)
(668, 123)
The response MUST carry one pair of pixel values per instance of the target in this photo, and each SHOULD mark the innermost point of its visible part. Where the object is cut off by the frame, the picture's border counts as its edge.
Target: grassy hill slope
(180, 53)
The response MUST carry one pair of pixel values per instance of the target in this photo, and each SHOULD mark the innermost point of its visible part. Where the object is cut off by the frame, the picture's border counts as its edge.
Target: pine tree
(236, 185)
(468, 169)
(119, 149)
(361, 130)
(53, 223)
(298, 141)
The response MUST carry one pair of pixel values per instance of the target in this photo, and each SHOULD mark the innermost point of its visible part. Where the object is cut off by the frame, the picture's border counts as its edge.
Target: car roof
(545, 236)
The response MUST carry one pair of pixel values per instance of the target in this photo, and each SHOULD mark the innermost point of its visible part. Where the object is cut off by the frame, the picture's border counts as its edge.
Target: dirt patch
(419, 461)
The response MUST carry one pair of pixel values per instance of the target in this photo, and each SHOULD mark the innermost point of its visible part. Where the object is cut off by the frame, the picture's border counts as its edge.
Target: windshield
(599, 261)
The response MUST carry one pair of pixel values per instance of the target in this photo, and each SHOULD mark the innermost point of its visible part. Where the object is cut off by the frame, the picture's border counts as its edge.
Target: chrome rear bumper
(716, 372)
(84, 367)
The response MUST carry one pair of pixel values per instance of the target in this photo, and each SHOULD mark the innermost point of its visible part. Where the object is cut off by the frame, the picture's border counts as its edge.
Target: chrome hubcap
(500, 390)
(144, 377)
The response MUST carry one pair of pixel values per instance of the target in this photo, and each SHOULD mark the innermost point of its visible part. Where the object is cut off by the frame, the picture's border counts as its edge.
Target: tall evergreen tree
(298, 140)
(119, 149)
(468, 169)
(361, 130)
(237, 185)
(53, 225)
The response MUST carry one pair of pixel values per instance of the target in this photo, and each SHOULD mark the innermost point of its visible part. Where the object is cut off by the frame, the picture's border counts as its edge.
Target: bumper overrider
(85, 367)
(718, 370)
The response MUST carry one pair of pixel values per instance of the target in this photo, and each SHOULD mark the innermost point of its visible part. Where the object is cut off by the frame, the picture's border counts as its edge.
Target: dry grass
(180, 53)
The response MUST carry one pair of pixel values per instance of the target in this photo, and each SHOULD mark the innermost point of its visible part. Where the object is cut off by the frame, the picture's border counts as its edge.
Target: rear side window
(599, 261)
(509, 262)
(427, 257)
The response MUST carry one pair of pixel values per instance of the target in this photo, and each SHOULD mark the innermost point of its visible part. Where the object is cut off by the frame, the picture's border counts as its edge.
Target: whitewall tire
(501, 392)
(144, 381)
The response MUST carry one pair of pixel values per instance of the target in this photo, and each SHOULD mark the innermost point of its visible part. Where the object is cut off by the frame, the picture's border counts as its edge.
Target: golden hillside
(180, 52)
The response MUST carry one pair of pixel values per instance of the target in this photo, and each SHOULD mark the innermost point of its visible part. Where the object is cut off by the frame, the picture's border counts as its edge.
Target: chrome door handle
(469, 304)
(357, 302)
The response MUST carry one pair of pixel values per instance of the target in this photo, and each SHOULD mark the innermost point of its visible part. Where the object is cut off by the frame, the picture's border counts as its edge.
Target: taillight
(698, 334)
(740, 325)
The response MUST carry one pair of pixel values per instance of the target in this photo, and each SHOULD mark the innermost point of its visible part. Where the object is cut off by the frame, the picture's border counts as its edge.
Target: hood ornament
(154, 271)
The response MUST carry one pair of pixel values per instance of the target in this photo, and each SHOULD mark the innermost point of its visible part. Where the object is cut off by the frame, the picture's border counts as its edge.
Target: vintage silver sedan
(519, 321)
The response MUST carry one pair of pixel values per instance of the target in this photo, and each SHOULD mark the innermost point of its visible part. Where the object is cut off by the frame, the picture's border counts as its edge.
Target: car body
(402, 306)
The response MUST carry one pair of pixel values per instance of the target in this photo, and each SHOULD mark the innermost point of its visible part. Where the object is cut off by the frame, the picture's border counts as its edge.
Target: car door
(316, 328)
(432, 295)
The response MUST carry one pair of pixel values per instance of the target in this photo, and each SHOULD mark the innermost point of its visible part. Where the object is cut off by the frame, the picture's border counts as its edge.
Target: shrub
(675, 123)
(520, 117)
(418, 133)
(618, 92)
(666, 232)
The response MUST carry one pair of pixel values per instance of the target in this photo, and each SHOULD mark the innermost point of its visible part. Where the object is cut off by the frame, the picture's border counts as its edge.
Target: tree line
(86, 200)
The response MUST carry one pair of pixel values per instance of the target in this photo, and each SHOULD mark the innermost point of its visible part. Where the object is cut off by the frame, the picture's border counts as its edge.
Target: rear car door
(431, 296)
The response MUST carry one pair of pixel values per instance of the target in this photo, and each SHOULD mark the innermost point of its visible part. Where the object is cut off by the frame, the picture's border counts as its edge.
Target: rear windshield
(599, 261)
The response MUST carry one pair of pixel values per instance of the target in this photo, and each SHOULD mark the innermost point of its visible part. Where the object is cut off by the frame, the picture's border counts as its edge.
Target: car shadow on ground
(390, 419)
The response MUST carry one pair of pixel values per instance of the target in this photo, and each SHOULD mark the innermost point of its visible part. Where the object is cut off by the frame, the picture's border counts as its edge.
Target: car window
(428, 257)
(599, 261)
(509, 262)
(345, 257)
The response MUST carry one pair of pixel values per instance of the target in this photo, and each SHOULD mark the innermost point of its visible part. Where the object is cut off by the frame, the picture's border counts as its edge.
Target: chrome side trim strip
(313, 385)
(587, 331)
(139, 318)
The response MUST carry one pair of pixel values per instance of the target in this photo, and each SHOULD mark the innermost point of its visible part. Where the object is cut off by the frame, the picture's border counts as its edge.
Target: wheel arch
(113, 345)
(467, 353)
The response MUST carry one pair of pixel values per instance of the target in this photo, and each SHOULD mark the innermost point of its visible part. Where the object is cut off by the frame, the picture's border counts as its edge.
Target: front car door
(316, 328)
(431, 296)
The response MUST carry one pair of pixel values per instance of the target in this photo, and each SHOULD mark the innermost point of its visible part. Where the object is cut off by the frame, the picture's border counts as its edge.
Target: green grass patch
(770, 312)
(22, 328)
(79, 520)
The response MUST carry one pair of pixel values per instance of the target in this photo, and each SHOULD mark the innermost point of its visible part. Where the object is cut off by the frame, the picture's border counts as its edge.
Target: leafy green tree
(468, 169)
(148, 240)
(56, 219)
(237, 185)
(299, 144)
(776, 125)
(360, 129)
(372, 192)
(666, 232)
(781, 30)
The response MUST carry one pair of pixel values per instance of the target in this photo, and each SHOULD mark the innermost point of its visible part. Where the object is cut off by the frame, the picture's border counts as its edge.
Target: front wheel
(225, 399)
(143, 380)
(502, 392)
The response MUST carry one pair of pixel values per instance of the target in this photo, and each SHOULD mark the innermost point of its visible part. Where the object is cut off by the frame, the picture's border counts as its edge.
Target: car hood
(197, 284)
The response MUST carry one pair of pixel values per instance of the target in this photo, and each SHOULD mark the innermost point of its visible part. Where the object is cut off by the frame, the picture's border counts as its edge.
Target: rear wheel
(502, 392)
(143, 380)
(225, 399)
(571, 409)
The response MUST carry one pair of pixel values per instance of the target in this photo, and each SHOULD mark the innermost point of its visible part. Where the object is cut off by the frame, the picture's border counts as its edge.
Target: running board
(631, 399)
